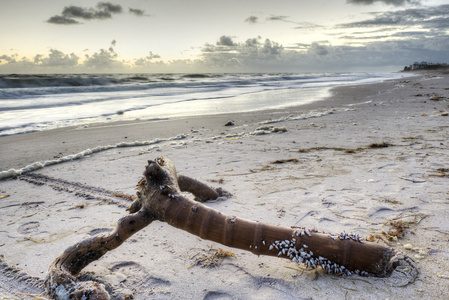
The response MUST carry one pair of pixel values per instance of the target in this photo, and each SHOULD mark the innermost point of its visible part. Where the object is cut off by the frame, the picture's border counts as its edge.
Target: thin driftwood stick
(61, 283)
(159, 198)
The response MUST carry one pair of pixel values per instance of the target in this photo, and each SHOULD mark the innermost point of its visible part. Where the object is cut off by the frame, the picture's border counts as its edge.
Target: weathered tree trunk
(159, 198)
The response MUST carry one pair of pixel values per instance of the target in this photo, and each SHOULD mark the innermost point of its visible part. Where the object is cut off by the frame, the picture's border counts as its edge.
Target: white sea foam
(39, 165)
(310, 115)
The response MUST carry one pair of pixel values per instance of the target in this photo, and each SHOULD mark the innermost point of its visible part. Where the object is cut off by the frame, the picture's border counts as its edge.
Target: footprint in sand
(99, 230)
(389, 167)
(214, 295)
(134, 274)
(28, 227)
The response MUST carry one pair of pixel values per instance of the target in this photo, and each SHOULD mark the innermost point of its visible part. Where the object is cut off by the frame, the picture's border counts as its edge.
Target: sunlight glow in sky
(68, 36)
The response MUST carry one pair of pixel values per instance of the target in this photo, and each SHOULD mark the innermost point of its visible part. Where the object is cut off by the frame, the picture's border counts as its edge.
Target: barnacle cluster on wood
(302, 254)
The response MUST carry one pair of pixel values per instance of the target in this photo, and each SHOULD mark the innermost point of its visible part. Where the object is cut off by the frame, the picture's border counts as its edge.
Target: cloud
(62, 20)
(318, 49)
(57, 58)
(307, 25)
(103, 10)
(109, 7)
(402, 36)
(383, 52)
(55, 62)
(147, 60)
(253, 42)
(252, 20)
(264, 55)
(435, 17)
(104, 59)
(388, 35)
(137, 12)
(278, 18)
(271, 48)
(7, 58)
(300, 25)
(389, 2)
(250, 55)
(225, 41)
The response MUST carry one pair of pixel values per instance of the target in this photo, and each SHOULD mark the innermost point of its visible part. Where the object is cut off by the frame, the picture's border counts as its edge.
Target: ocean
(41, 102)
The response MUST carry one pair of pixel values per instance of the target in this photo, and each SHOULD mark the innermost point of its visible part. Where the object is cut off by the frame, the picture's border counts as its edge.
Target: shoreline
(123, 100)
(21, 150)
(375, 164)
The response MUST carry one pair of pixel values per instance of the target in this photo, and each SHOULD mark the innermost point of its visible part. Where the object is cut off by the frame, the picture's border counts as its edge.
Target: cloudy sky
(72, 36)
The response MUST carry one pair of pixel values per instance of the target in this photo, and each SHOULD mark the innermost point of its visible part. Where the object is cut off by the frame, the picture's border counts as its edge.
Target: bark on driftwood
(159, 198)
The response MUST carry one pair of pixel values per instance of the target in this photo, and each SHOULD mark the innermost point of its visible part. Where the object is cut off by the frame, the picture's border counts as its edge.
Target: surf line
(39, 165)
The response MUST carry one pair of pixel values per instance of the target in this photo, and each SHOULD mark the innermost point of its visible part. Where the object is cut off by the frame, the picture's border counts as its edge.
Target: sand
(338, 181)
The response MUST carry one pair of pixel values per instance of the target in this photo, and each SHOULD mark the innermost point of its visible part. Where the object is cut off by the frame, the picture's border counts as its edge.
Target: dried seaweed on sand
(213, 258)
(398, 226)
(348, 150)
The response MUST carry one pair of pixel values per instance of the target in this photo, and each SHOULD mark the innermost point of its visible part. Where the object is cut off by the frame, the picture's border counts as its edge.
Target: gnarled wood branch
(61, 282)
(159, 198)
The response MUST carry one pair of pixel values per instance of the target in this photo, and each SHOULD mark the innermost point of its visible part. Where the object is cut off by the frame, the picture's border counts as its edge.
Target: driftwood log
(159, 198)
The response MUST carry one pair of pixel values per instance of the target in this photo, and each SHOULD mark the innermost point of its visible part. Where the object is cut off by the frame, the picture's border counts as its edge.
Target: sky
(195, 36)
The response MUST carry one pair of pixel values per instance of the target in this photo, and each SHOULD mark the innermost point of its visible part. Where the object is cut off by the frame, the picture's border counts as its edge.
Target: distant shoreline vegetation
(426, 66)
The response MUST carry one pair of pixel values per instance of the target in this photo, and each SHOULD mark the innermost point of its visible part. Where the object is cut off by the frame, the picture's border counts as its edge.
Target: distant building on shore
(425, 66)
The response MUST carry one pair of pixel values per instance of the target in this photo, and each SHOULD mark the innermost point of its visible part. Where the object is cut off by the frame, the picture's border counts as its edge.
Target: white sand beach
(371, 159)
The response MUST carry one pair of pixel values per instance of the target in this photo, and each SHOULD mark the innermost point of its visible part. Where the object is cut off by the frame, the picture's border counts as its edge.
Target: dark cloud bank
(432, 18)
(389, 2)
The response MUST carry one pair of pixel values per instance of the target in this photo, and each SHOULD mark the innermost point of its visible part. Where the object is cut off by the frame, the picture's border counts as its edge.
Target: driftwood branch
(159, 198)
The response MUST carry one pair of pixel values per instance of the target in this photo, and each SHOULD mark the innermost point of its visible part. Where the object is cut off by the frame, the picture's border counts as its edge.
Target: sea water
(40, 102)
